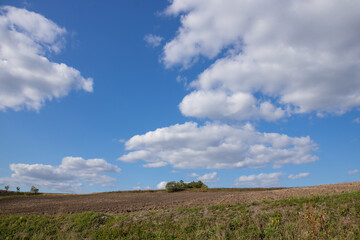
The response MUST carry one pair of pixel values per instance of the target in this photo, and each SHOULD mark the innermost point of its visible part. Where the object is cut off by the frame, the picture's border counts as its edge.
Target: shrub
(198, 184)
(180, 186)
(171, 187)
(204, 188)
(7, 188)
(34, 190)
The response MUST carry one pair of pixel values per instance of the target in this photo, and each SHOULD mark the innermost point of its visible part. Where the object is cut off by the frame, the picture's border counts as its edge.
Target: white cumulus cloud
(356, 120)
(274, 58)
(261, 180)
(209, 177)
(27, 77)
(66, 177)
(155, 165)
(153, 40)
(297, 176)
(193, 175)
(351, 172)
(217, 146)
(161, 185)
(219, 104)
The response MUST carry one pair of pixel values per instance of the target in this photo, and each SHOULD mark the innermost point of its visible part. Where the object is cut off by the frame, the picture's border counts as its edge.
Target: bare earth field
(120, 202)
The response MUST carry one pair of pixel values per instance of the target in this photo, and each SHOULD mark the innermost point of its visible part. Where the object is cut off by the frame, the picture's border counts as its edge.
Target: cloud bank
(153, 40)
(209, 177)
(261, 180)
(217, 146)
(67, 177)
(27, 77)
(273, 58)
(352, 172)
(161, 185)
(297, 176)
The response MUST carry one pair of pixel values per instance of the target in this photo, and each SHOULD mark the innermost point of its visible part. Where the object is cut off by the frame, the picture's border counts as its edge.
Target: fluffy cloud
(356, 120)
(27, 77)
(66, 177)
(209, 177)
(161, 185)
(138, 188)
(278, 58)
(153, 40)
(300, 175)
(261, 180)
(155, 165)
(193, 175)
(351, 172)
(217, 146)
(218, 104)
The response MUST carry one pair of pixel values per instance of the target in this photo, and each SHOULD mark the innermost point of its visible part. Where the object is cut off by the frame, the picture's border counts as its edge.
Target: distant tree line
(181, 185)
(33, 189)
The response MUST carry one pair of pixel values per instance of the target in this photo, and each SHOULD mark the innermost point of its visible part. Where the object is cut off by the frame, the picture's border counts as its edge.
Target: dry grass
(314, 217)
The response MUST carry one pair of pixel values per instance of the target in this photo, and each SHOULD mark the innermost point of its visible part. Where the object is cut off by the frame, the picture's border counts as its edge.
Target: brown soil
(120, 202)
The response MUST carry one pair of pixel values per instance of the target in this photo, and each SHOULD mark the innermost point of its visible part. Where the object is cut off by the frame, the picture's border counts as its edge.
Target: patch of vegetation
(181, 186)
(12, 194)
(34, 190)
(314, 217)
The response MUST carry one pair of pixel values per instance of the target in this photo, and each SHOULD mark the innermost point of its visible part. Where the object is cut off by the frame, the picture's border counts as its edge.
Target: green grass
(314, 217)
(19, 195)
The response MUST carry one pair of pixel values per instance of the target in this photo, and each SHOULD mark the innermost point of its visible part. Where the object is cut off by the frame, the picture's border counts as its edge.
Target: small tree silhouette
(18, 189)
(7, 188)
(34, 190)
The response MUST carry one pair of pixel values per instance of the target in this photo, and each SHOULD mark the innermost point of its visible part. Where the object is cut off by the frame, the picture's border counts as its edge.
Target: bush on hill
(180, 186)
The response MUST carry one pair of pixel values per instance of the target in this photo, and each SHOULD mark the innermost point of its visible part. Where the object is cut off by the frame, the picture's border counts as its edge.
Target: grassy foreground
(314, 217)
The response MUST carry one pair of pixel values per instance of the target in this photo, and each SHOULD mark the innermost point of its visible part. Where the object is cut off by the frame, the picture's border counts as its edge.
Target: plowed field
(120, 202)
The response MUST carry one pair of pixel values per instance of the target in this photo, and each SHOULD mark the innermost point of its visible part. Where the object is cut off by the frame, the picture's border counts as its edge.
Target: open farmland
(319, 212)
(122, 202)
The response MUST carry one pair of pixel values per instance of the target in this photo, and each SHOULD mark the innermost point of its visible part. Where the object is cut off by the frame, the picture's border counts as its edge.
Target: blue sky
(120, 95)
